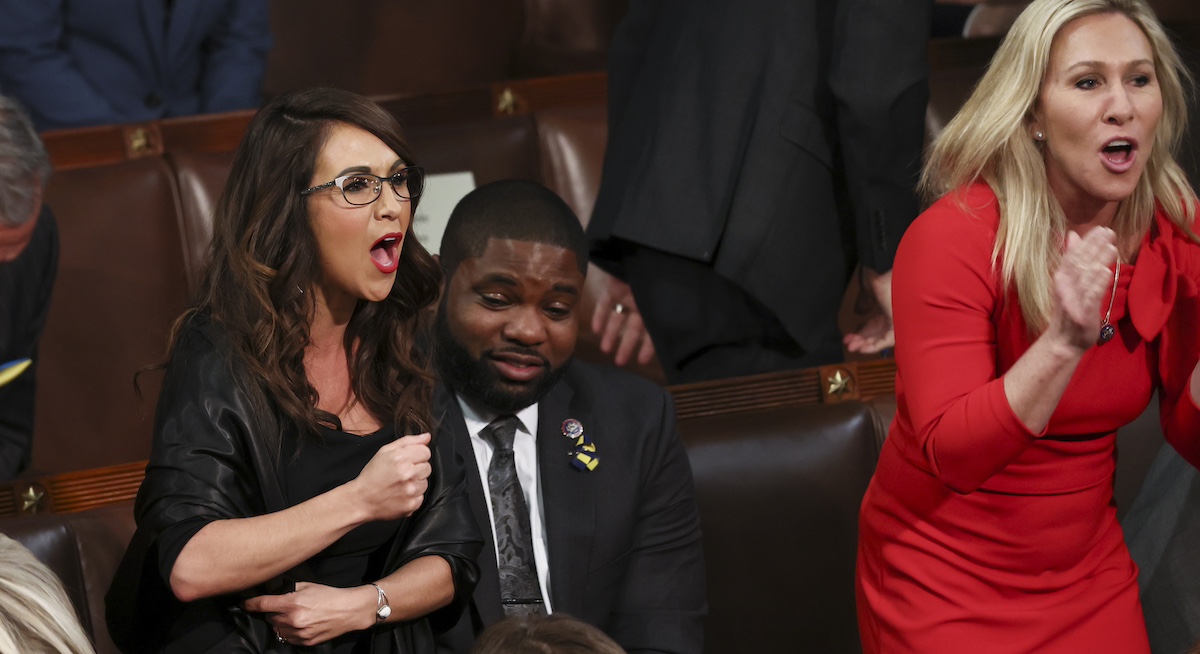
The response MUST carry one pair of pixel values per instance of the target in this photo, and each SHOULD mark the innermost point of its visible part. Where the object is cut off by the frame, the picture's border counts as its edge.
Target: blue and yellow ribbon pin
(13, 369)
(583, 456)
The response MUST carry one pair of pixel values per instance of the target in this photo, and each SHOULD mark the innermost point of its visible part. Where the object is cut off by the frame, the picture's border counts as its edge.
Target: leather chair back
(572, 142)
(121, 284)
(377, 47)
(84, 550)
(779, 492)
(201, 178)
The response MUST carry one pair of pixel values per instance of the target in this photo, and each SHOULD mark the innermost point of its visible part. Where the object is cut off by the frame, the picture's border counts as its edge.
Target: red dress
(976, 534)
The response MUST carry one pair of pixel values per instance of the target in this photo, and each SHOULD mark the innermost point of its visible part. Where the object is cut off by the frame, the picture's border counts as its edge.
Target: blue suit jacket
(94, 62)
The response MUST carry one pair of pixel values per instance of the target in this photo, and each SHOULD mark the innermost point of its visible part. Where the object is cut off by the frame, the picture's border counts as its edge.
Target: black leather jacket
(207, 464)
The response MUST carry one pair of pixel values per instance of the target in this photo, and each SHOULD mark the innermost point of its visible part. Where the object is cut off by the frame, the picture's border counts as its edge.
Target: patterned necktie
(520, 591)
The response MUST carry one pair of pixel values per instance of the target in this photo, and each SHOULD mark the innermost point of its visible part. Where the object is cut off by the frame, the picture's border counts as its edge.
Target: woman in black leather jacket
(287, 501)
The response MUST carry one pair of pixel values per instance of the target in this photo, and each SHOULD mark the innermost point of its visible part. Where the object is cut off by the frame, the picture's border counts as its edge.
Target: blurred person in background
(28, 264)
(75, 63)
(755, 155)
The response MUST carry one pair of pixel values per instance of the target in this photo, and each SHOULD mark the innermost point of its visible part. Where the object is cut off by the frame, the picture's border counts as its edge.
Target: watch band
(382, 609)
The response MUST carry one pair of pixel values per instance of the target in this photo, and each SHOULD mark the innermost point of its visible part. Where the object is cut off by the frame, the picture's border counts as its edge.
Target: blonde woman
(35, 615)
(1039, 303)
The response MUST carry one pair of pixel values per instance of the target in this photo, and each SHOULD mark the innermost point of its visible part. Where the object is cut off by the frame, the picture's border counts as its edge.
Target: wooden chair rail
(71, 492)
(862, 380)
(107, 144)
(855, 380)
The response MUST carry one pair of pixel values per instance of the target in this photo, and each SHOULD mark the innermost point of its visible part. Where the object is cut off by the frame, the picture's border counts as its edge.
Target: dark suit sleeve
(29, 279)
(880, 78)
(35, 69)
(662, 602)
(235, 57)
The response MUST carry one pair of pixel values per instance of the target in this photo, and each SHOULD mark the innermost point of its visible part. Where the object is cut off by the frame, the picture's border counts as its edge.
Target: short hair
(35, 615)
(24, 165)
(557, 633)
(988, 140)
(510, 209)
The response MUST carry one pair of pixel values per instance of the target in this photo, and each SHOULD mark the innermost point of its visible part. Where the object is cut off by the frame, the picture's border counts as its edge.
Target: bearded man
(583, 490)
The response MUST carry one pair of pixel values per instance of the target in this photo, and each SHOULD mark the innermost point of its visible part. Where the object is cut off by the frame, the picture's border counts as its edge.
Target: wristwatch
(382, 609)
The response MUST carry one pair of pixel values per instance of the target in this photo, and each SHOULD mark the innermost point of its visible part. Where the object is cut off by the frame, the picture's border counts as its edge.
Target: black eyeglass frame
(403, 173)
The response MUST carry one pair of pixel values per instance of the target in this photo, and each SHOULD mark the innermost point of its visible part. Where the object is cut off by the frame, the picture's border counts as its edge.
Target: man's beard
(478, 381)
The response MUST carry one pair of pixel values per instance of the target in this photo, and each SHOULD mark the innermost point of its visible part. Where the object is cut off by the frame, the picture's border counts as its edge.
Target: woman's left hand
(314, 613)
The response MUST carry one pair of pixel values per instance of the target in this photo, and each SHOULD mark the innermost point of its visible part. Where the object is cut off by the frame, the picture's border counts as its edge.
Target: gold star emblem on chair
(838, 384)
(31, 498)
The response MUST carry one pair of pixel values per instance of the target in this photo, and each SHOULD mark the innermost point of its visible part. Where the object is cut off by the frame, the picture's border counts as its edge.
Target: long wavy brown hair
(263, 258)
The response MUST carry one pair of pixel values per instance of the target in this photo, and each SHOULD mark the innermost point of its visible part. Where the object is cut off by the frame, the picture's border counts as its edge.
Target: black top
(210, 462)
(25, 285)
(356, 558)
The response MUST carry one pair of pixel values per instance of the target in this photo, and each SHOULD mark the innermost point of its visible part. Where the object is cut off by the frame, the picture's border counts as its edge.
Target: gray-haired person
(28, 261)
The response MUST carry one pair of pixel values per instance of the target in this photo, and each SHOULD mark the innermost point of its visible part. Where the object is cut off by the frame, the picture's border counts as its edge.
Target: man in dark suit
(96, 62)
(756, 152)
(606, 528)
(28, 265)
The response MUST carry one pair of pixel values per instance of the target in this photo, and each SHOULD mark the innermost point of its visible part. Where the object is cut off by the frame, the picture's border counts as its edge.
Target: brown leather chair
(377, 47)
(492, 148)
(779, 492)
(121, 283)
(84, 549)
(201, 178)
(564, 36)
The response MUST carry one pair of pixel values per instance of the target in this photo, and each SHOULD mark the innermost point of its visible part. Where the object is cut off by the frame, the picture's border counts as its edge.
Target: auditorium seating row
(135, 223)
(133, 203)
(781, 462)
(383, 46)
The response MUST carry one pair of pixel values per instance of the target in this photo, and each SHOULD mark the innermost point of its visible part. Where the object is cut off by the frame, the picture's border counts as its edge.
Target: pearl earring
(1038, 136)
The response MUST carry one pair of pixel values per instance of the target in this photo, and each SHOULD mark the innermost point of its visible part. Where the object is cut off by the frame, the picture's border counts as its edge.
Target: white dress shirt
(525, 455)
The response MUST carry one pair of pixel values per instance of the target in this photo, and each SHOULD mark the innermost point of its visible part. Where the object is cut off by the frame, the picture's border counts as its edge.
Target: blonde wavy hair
(35, 615)
(989, 140)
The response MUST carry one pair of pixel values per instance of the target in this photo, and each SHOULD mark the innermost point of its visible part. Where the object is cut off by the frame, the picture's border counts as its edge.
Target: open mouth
(1118, 154)
(385, 253)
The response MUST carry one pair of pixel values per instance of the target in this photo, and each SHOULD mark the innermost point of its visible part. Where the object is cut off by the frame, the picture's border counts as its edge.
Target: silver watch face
(383, 612)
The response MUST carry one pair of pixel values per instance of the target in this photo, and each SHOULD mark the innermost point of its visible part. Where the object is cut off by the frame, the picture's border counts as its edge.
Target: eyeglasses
(363, 188)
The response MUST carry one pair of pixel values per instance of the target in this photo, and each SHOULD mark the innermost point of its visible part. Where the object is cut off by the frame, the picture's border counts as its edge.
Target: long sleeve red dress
(975, 533)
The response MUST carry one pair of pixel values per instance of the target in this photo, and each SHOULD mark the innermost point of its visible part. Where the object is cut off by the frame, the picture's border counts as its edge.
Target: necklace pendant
(1107, 331)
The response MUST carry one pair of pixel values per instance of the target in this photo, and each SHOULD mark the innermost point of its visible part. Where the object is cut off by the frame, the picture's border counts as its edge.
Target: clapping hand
(1082, 287)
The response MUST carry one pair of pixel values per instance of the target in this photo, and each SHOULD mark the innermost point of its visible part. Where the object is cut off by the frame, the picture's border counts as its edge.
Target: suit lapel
(453, 425)
(183, 20)
(568, 500)
(154, 23)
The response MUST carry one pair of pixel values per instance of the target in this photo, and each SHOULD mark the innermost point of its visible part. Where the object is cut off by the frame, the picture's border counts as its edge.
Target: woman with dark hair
(284, 503)
(1040, 303)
